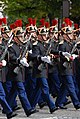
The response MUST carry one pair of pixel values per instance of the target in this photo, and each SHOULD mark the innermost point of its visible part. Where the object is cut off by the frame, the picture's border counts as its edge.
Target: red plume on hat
(63, 25)
(31, 26)
(34, 22)
(4, 20)
(42, 21)
(54, 22)
(12, 26)
(67, 21)
(30, 20)
(18, 23)
(76, 26)
(47, 25)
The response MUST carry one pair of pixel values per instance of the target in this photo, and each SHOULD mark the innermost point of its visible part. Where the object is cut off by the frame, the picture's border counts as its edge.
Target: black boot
(41, 105)
(53, 109)
(31, 111)
(10, 115)
(16, 108)
(77, 106)
(62, 107)
(66, 103)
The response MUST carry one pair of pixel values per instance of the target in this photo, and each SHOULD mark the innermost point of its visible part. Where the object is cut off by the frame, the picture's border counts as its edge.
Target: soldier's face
(39, 37)
(27, 36)
(65, 36)
(51, 35)
(44, 37)
(34, 34)
(56, 35)
(21, 38)
(70, 36)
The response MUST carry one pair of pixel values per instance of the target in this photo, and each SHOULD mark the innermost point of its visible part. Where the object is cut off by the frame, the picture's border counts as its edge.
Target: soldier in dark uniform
(66, 74)
(8, 111)
(53, 73)
(77, 70)
(30, 82)
(6, 34)
(39, 50)
(17, 78)
(28, 70)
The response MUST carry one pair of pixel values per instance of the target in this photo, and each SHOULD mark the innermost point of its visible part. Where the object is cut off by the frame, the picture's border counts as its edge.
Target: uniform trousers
(42, 87)
(3, 101)
(54, 83)
(7, 87)
(19, 87)
(67, 86)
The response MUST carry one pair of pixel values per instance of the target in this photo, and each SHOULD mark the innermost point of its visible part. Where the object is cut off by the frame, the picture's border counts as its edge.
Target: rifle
(40, 67)
(6, 48)
(17, 69)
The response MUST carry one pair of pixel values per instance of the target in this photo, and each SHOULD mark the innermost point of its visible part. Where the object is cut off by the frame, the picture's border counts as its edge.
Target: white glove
(74, 56)
(4, 63)
(46, 59)
(66, 54)
(23, 61)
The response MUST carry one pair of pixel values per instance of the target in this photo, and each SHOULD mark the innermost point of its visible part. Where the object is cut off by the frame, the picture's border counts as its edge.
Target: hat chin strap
(7, 37)
(7, 34)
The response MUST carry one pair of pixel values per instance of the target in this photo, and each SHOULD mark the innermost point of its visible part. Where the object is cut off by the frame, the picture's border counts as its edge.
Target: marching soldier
(8, 111)
(17, 77)
(30, 81)
(39, 58)
(53, 76)
(6, 34)
(30, 31)
(66, 74)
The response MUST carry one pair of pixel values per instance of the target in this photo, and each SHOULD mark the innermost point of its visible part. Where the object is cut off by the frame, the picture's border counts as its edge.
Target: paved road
(44, 113)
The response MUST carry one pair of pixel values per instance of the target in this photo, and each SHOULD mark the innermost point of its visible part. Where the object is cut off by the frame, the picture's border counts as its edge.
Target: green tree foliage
(16, 9)
(75, 10)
